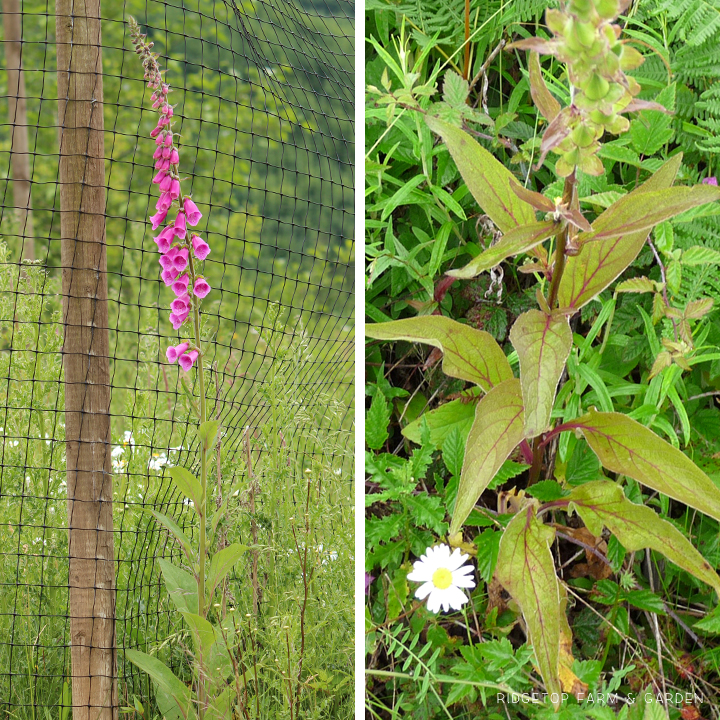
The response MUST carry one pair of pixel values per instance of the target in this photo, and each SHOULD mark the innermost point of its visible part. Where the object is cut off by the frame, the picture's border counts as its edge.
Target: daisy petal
(424, 590)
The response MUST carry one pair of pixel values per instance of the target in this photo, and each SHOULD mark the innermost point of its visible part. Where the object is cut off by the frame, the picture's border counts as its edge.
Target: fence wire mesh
(264, 94)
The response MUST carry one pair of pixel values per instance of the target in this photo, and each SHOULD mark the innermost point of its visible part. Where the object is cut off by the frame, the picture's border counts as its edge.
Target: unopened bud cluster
(589, 43)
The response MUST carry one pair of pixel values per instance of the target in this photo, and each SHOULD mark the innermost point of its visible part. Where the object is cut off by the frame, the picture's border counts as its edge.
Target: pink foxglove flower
(201, 287)
(180, 286)
(165, 239)
(174, 352)
(168, 276)
(200, 247)
(192, 212)
(180, 227)
(174, 157)
(186, 361)
(175, 259)
(157, 154)
(181, 304)
(165, 201)
(177, 321)
(163, 164)
(158, 218)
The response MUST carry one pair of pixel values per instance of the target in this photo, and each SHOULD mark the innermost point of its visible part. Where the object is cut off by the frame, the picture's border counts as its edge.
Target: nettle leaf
(455, 89)
(543, 343)
(526, 569)
(603, 504)
(488, 546)
(487, 179)
(496, 432)
(468, 354)
(515, 241)
(453, 450)
(377, 421)
(626, 447)
(601, 262)
(545, 102)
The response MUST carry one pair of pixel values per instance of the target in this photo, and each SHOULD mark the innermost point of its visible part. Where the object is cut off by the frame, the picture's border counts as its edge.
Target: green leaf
(625, 446)
(428, 511)
(221, 563)
(181, 586)
(455, 89)
(488, 545)
(526, 569)
(377, 421)
(543, 343)
(165, 681)
(700, 255)
(487, 179)
(496, 432)
(513, 242)
(634, 213)
(600, 262)
(207, 432)
(455, 415)
(220, 708)
(176, 530)
(203, 633)
(468, 354)
(453, 450)
(651, 131)
(603, 504)
(188, 485)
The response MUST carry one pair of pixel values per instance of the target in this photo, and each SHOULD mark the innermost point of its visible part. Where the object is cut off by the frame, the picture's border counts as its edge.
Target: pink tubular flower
(192, 212)
(165, 239)
(166, 182)
(174, 157)
(157, 154)
(168, 276)
(200, 247)
(165, 202)
(181, 304)
(201, 287)
(168, 139)
(710, 181)
(158, 218)
(156, 131)
(180, 286)
(159, 177)
(177, 320)
(163, 164)
(186, 361)
(174, 352)
(180, 227)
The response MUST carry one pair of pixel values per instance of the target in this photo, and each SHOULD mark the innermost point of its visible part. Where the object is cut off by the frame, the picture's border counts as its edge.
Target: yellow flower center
(442, 578)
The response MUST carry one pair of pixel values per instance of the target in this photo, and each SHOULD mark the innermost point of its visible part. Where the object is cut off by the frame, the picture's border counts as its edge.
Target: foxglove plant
(212, 695)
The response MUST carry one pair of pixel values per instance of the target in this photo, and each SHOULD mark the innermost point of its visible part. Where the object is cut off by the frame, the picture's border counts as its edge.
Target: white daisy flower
(442, 575)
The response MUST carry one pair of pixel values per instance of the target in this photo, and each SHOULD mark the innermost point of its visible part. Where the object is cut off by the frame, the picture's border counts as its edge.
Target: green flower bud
(618, 125)
(596, 88)
(586, 33)
(583, 136)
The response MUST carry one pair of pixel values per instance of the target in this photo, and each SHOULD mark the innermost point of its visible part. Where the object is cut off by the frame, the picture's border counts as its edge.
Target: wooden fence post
(17, 116)
(86, 360)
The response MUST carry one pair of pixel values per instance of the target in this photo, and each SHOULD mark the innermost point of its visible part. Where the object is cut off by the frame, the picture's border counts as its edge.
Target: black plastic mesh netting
(264, 109)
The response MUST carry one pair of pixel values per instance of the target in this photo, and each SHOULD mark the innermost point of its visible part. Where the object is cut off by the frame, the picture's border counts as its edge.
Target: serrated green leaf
(601, 262)
(636, 285)
(455, 89)
(625, 446)
(526, 569)
(488, 545)
(453, 450)
(664, 237)
(427, 511)
(673, 273)
(513, 242)
(543, 343)
(377, 421)
(496, 432)
(487, 179)
(603, 504)
(468, 354)
(700, 255)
